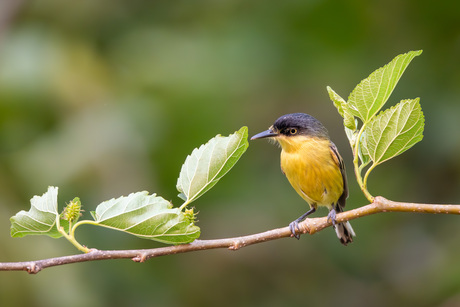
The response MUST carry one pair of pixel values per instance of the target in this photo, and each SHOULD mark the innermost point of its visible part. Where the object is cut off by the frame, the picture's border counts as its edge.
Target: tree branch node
(33, 268)
(140, 258)
(310, 225)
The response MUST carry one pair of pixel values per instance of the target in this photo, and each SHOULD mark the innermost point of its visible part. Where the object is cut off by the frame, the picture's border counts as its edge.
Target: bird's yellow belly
(313, 173)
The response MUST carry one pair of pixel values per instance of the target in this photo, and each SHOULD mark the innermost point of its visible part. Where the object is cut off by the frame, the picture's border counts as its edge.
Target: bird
(314, 168)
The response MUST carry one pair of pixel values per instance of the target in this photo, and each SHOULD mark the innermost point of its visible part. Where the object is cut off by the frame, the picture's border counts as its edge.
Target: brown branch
(311, 226)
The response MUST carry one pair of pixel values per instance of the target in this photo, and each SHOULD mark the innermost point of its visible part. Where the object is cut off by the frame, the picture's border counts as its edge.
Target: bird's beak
(266, 134)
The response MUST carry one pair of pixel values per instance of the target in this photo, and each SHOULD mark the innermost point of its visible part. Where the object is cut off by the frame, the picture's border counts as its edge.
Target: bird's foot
(331, 217)
(294, 226)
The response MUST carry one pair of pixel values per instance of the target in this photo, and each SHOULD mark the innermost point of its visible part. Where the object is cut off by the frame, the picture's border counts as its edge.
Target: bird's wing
(339, 161)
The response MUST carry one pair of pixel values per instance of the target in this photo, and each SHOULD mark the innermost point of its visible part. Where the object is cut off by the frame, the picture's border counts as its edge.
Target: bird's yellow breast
(311, 169)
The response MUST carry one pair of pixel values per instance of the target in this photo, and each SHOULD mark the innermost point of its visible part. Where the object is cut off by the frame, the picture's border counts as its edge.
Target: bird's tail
(344, 231)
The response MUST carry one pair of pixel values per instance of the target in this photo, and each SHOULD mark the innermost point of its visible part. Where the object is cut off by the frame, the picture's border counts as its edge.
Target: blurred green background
(103, 98)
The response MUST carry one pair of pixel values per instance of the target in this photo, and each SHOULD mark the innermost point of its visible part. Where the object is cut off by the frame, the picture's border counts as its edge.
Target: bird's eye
(293, 131)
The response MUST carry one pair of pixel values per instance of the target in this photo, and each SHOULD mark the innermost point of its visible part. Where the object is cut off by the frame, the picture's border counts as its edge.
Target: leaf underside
(40, 219)
(209, 163)
(148, 217)
(343, 108)
(140, 214)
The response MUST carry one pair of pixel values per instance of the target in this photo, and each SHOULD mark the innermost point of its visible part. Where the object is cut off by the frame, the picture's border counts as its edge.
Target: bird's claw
(331, 217)
(294, 226)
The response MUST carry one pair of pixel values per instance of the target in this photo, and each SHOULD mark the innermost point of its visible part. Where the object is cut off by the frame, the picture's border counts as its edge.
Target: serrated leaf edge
(402, 67)
(241, 134)
(394, 109)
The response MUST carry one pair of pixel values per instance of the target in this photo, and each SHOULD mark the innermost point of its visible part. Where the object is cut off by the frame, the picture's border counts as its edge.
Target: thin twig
(311, 226)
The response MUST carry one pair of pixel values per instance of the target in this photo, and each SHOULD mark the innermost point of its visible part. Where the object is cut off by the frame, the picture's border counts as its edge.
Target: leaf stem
(367, 174)
(361, 167)
(358, 169)
(310, 225)
(70, 236)
(89, 222)
(184, 205)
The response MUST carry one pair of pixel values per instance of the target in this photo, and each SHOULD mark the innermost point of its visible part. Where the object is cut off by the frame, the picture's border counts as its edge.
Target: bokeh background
(104, 98)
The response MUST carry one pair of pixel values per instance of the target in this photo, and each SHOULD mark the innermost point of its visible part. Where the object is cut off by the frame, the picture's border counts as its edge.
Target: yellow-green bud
(73, 210)
(190, 215)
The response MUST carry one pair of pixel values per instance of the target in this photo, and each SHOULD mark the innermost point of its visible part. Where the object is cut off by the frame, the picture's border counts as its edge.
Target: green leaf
(337, 100)
(209, 163)
(394, 131)
(370, 95)
(363, 152)
(343, 108)
(40, 219)
(148, 217)
(352, 136)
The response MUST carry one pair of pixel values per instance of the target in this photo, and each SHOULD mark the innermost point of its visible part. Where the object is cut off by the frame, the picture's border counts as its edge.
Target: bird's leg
(293, 226)
(331, 216)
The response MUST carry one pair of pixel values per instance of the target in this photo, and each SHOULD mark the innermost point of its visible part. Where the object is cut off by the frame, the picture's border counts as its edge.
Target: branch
(310, 225)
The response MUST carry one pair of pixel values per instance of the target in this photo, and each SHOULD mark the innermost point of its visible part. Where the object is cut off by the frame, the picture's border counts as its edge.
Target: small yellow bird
(313, 166)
